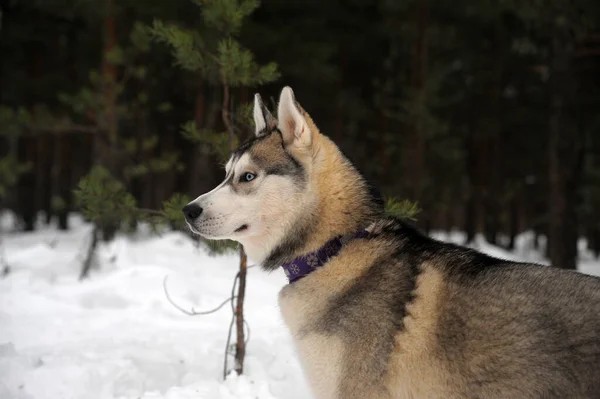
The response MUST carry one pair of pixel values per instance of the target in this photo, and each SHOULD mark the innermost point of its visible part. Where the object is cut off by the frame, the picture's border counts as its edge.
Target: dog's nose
(191, 212)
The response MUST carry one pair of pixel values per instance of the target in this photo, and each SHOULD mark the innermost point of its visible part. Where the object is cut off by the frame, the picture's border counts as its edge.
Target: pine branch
(404, 209)
(225, 112)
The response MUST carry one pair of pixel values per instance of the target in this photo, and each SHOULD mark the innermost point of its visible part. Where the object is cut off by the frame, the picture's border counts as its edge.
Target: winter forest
(479, 120)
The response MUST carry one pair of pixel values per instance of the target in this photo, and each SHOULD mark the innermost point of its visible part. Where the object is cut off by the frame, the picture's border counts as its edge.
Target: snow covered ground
(116, 336)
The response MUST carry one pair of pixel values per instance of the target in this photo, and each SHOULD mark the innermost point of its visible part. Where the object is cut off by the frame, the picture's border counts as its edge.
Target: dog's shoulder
(410, 243)
(461, 264)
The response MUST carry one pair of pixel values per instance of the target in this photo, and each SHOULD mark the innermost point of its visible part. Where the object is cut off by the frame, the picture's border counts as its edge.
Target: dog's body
(396, 314)
(399, 315)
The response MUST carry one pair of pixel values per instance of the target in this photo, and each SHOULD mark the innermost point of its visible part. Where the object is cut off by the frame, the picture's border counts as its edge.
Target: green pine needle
(402, 208)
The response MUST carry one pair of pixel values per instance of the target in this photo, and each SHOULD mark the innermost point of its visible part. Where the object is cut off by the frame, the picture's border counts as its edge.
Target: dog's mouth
(193, 229)
(243, 227)
(209, 233)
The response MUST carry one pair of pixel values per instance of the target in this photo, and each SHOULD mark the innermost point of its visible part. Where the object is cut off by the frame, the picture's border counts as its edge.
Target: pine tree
(214, 52)
(110, 102)
(10, 167)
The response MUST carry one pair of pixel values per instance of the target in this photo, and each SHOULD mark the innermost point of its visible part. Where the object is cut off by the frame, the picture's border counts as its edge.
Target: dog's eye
(246, 177)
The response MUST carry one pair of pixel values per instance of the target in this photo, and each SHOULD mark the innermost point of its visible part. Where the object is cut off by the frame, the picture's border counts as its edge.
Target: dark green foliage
(451, 104)
(10, 170)
(171, 212)
(213, 49)
(218, 142)
(104, 199)
(404, 209)
(221, 247)
(106, 106)
(13, 120)
(219, 58)
(214, 53)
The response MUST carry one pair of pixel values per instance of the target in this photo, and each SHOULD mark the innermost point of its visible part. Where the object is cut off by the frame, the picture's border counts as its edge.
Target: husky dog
(378, 310)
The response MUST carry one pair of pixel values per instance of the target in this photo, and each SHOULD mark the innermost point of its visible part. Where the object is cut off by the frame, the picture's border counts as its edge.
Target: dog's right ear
(263, 120)
(294, 127)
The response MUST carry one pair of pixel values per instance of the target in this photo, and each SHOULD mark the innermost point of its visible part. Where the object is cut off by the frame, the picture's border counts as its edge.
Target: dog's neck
(343, 205)
(308, 263)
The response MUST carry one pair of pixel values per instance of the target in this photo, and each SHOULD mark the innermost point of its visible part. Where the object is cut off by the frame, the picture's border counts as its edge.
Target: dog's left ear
(263, 120)
(293, 125)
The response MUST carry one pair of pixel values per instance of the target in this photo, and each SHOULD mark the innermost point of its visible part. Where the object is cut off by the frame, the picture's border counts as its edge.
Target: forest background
(483, 113)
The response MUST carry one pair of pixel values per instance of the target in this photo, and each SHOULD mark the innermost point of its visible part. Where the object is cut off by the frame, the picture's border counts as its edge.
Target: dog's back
(518, 330)
(524, 331)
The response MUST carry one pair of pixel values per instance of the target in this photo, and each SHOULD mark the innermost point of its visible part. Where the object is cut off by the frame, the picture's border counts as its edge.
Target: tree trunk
(43, 168)
(470, 220)
(338, 125)
(494, 131)
(240, 346)
(385, 177)
(474, 200)
(200, 175)
(414, 147)
(29, 199)
(55, 174)
(536, 239)
(565, 154)
(4, 266)
(91, 253)
(594, 241)
(513, 223)
(26, 152)
(105, 139)
(492, 211)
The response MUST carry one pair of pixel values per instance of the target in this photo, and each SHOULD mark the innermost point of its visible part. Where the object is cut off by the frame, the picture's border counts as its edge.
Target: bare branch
(62, 128)
(192, 312)
(87, 263)
(152, 211)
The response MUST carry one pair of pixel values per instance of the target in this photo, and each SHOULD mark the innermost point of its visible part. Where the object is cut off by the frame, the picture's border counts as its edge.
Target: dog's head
(266, 189)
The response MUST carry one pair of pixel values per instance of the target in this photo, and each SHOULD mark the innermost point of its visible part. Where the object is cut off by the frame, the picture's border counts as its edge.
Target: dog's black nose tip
(191, 212)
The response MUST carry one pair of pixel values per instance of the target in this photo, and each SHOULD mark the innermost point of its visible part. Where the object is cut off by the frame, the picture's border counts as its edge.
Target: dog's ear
(263, 120)
(292, 123)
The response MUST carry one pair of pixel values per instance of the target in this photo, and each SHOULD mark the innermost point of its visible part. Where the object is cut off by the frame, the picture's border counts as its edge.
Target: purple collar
(306, 264)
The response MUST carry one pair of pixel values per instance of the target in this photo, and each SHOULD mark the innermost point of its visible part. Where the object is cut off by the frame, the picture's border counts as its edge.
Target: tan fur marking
(301, 304)
(321, 359)
(413, 371)
(319, 355)
(330, 177)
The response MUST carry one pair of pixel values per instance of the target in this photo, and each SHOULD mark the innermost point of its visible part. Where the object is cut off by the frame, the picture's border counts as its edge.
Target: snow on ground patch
(116, 336)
